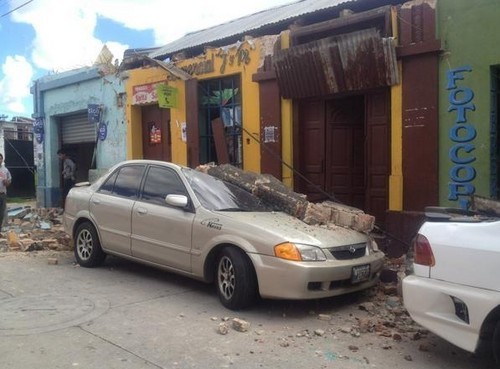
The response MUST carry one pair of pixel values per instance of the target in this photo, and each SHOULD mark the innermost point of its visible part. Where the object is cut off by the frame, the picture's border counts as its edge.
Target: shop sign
(94, 112)
(144, 94)
(38, 130)
(167, 96)
(203, 67)
(229, 57)
(103, 131)
(239, 57)
(462, 134)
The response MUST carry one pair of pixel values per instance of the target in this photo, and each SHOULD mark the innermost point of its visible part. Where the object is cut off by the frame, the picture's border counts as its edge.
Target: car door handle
(96, 201)
(142, 211)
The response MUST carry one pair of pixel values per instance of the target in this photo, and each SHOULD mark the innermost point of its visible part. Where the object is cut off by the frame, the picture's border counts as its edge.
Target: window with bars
(221, 98)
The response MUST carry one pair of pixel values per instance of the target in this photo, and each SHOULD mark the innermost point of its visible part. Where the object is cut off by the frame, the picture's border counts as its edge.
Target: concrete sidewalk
(125, 315)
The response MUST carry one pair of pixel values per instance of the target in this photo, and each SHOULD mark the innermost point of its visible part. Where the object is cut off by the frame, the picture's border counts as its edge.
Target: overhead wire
(27, 166)
(17, 8)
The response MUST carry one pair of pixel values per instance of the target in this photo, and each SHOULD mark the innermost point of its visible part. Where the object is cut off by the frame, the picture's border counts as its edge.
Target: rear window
(124, 182)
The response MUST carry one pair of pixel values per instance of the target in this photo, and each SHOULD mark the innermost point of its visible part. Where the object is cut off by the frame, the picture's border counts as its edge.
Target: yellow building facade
(239, 61)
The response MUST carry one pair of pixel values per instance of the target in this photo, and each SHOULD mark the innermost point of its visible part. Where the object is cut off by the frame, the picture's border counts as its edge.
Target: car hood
(285, 228)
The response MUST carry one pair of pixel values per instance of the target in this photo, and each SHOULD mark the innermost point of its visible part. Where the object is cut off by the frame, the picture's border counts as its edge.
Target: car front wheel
(236, 280)
(88, 251)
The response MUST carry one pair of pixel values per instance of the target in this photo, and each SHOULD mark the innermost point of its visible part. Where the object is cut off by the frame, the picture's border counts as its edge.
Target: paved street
(124, 315)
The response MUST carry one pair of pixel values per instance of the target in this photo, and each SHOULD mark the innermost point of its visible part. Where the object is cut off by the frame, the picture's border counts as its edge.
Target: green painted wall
(469, 32)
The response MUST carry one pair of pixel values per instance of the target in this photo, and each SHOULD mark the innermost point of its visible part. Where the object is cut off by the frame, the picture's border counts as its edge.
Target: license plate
(360, 273)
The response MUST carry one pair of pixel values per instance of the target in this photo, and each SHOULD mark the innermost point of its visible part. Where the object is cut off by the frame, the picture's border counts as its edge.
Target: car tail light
(423, 251)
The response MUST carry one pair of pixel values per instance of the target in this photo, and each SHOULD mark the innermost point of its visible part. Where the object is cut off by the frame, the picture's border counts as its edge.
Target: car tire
(496, 344)
(88, 251)
(235, 278)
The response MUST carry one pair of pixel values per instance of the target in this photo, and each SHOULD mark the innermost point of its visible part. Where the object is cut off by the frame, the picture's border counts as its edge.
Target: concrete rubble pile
(34, 229)
(380, 313)
(278, 196)
(486, 206)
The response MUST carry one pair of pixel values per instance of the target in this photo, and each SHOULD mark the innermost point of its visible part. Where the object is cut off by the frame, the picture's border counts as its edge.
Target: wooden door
(156, 143)
(342, 147)
(311, 148)
(345, 150)
(378, 115)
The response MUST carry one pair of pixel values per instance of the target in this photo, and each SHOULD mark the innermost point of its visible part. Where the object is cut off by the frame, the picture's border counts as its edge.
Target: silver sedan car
(191, 223)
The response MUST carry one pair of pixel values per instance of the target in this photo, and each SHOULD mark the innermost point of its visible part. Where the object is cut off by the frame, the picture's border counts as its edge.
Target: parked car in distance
(454, 290)
(191, 223)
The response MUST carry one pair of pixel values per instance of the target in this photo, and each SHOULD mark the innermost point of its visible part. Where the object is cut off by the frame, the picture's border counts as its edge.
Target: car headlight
(299, 252)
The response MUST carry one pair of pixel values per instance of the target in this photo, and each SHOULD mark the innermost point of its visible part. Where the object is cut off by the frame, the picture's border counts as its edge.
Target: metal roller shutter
(77, 129)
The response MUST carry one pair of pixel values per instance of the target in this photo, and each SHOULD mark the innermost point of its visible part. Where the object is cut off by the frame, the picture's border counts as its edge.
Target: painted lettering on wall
(462, 134)
(241, 56)
(203, 67)
(228, 58)
(144, 94)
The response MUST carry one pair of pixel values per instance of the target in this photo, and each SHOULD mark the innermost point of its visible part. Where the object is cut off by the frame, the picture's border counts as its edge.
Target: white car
(454, 290)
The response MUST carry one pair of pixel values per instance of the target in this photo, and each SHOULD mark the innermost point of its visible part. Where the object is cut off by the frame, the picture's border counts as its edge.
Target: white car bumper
(429, 303)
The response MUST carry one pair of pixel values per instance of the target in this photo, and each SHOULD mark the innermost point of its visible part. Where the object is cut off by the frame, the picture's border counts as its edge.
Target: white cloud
(171, 21)
(65, 32)
(15, 86)
(65, 29)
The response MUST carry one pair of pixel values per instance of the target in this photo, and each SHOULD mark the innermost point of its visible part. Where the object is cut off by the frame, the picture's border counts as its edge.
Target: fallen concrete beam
(278, 196)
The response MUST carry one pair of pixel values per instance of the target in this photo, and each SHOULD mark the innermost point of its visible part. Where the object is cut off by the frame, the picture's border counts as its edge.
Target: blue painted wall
(70, 93)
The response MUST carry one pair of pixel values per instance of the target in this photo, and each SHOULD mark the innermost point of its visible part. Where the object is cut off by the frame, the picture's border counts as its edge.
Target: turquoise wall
(70, 93)
(471, 47)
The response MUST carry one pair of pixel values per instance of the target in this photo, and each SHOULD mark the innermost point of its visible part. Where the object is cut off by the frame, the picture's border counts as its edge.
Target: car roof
(149, 161)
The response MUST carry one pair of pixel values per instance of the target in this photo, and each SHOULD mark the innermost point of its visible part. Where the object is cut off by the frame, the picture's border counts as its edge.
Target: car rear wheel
(88, 251)
(496, 343)
(236, 280)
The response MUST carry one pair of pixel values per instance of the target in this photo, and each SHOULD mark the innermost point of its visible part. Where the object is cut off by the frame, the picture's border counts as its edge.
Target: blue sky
(48, 36)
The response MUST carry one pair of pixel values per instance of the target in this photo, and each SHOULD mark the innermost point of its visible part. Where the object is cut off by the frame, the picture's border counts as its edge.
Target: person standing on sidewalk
(68, 174)
(5, 180)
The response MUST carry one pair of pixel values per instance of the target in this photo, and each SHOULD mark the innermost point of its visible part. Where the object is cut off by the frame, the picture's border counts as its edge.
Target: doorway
(342, 145)
(156, 142)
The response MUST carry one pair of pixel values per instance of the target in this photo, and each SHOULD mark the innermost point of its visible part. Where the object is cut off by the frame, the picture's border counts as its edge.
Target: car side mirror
(179, 201)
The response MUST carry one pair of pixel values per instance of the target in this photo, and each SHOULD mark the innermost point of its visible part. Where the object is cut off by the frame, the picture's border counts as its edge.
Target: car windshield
(215, 194)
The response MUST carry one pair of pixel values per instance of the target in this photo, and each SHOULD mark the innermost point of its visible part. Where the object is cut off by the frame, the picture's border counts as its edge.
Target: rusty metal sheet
(349, 62)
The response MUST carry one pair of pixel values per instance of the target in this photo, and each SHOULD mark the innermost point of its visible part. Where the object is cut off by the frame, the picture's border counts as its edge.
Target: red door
(378, 165)
(343, 149)
(311, 148)
(156, 144)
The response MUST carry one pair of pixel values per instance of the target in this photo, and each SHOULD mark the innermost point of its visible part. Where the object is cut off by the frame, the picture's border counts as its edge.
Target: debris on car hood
(278, 196)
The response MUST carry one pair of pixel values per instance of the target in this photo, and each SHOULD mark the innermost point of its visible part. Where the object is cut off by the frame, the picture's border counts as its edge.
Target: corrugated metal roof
(349, 62)
(246, 24)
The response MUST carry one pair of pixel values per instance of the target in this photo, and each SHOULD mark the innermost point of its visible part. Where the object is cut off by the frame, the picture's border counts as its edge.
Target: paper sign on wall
(167, 96)
(183, 132)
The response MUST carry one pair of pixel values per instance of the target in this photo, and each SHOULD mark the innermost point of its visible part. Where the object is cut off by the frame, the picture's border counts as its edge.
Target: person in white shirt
(5, 181)
(68, 174)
